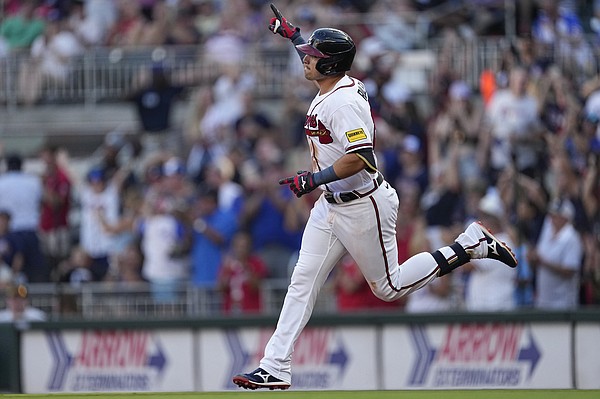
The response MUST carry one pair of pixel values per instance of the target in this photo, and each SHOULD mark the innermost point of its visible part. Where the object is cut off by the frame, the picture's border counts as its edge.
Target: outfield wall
(452, 351)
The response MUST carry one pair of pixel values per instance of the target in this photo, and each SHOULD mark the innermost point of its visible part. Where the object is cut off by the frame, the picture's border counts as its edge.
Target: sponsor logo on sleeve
(356, 135)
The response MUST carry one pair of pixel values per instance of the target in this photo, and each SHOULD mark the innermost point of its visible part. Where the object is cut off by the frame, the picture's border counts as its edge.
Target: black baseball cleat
(480, 243)
(259, 378)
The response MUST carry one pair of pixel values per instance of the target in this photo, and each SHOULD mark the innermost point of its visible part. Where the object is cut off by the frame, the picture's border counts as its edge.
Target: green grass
(421, 394)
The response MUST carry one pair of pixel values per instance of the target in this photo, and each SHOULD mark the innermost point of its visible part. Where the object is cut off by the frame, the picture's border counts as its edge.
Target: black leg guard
(447, 265)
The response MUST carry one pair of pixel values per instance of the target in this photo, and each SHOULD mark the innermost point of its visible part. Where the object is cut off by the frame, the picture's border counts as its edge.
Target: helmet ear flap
(323, 69)
(328, 68)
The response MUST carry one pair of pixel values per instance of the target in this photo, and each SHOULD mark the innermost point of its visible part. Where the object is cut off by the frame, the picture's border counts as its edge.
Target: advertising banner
(477, 356)
(107, 360)
(587, 355)
(324, 358)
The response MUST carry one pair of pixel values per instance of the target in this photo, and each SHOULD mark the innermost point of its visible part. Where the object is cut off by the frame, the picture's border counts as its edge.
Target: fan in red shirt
(54, 215)
(352, 291)
(241, 276)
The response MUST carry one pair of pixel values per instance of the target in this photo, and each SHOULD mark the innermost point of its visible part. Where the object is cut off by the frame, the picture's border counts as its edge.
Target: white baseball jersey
(339, 122)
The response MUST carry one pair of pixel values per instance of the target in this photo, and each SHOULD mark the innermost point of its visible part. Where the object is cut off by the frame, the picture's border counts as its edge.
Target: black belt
(338, 198)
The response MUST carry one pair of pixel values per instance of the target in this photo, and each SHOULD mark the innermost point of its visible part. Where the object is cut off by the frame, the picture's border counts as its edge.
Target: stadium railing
(119, 300)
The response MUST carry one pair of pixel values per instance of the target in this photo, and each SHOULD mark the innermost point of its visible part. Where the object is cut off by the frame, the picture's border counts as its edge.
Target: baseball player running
(357, 210)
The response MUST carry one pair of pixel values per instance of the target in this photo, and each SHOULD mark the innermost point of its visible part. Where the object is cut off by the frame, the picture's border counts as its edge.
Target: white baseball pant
(365, 228)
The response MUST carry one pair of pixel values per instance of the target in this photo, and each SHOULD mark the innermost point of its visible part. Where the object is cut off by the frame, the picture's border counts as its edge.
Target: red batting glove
(281, 26)
(302, 183)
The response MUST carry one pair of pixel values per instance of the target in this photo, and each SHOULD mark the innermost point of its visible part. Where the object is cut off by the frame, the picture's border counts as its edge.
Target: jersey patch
(356, 135)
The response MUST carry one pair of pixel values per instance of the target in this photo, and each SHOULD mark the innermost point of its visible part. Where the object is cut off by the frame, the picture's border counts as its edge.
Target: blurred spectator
(21, 197)
(251, 124)
(457, 120)
(219, 175)
(591, 200)
(443, 202)
(213, 229)
(295, 104)
(582, 145)
(18, 309)
(203, 147)
(76, 269)
(19, 31)
(155, 29)
(491, 287)
(225, 103)
(410, 226)
(55, 234)
(563, 181)
(400, 120)
(399, 109)
(129, 262)
(512, 129)
(249, 16)
(264, 207)
(154, 96)
(411, 235)
(558, 103)
(208, 18)
(99, 206)
(163, 235)
(51, 59)
(183, 31)
(240, 277)
(352, 291)
(10, 7)
(11, 259)
(413, 169)
(442, 205)
(526, 204)
(557, 28)
(165, 230)
(524, 281)
(104, 13)
(87, 28)
(438, 296)
(128, 26)
(125, 230)
(557, 259)
(395, 30)
(591, 92)
(109, 158)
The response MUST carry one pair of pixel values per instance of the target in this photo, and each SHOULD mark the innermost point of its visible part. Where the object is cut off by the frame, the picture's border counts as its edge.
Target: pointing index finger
(286, 180)
(276, 12)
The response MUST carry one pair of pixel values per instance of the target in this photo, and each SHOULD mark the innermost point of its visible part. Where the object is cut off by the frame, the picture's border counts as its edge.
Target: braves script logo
(106, 361)
(314, 127)
(320, 357)
(474, 355)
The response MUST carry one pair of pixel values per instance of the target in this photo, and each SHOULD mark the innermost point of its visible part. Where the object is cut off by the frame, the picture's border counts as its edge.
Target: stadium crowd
(198, 200)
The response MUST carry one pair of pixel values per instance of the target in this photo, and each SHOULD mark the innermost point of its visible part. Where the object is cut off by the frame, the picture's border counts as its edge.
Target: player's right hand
(282, 26)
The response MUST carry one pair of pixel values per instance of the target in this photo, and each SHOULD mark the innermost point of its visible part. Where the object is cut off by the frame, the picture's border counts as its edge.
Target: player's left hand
(302, 183)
